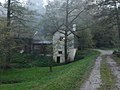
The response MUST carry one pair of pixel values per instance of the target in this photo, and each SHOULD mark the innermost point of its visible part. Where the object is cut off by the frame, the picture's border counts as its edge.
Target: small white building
(58, 46)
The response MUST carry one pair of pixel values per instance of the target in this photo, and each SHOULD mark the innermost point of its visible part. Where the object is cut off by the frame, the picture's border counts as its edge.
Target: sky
(37, 5)
(45, 1)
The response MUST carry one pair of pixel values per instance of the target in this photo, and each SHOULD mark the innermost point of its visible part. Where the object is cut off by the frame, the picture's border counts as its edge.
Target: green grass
(66, 77)
(108, 79)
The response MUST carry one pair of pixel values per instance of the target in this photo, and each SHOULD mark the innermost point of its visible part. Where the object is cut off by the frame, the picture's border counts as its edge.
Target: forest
(59, 44)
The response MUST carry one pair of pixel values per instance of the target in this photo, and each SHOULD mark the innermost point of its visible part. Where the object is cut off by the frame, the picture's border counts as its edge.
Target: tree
(7, 38)
(114, 12)
(106, 26)
(18, 18)
(63, 14)
(85, 39)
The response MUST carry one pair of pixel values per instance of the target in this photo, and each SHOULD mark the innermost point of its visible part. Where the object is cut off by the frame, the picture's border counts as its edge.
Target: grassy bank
(66, 77)
(108, 79)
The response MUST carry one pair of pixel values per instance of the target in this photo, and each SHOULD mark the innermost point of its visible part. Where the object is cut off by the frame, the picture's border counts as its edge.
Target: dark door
(58, 59)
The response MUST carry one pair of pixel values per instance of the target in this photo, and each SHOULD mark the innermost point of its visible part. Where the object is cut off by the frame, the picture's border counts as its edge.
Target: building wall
(58, 47)
(42, 49)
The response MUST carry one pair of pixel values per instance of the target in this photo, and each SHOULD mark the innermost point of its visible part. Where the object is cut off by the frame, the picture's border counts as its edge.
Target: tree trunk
(66, 30)
(118, 22)
(8, 13)
(51, 69)
(8, 53)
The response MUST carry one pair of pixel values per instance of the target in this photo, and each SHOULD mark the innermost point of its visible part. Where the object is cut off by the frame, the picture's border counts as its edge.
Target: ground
(94, 72)
(105, 74)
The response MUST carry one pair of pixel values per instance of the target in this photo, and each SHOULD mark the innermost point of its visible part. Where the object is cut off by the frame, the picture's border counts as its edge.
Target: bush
(20, 60)
(117, 53)
(43, 60)
(30, 60)
(26, 60)
(81, 54)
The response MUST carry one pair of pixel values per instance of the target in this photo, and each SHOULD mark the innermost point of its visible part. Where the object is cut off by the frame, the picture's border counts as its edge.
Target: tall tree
(18, 19)
(63, 14)
(85, 39)
(106, 17)
(8, 53)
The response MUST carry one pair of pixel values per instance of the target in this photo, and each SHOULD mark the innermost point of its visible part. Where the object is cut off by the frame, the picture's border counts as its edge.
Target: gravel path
(115, 70)
(94, 81)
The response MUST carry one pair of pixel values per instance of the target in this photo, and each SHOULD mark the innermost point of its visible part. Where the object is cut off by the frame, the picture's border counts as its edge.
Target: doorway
(58, 59)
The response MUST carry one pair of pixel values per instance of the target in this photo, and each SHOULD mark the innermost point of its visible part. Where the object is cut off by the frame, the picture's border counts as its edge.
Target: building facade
(58, 46)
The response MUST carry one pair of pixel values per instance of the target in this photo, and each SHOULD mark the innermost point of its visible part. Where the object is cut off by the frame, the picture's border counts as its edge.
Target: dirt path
(115, 70)
(94, 81)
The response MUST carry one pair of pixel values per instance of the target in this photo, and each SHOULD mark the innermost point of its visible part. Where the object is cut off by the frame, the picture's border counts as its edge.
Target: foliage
(5, 39)
(31, 60)
(105, 37)
(116, 58)
(26, 60)
(44, 61)
(106, 26)
(81, 54)
(22, 20)
(61, 16)
(66, 77)
(116, 53)
(16, 24)
(85, 39)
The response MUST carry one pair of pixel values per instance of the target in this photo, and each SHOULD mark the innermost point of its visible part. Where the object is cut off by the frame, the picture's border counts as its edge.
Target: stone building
(58, 46)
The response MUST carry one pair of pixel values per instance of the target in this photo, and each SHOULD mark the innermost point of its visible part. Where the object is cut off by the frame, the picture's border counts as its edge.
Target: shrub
(80, 54)
(117, 53)
(29, 60)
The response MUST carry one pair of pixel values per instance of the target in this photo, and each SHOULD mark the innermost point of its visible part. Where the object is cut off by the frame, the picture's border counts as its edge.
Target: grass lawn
(66, 77)
(108, 79)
